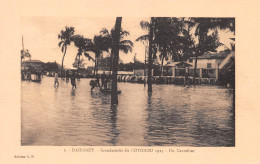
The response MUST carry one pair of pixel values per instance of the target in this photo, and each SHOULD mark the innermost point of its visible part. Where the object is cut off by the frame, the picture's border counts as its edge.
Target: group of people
(27, 75)
(105, 81)
(71, 76)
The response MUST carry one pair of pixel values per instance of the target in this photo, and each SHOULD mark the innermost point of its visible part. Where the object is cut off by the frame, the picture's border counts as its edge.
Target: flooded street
(170, 116)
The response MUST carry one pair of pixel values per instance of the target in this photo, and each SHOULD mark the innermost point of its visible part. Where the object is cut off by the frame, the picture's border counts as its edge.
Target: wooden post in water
(114, 98)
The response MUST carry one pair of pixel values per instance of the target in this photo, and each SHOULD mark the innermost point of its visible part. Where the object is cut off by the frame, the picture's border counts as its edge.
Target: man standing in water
(56, 80)
(72, 80)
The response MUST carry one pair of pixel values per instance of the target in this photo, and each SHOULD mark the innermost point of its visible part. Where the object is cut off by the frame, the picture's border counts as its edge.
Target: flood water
(170, 116)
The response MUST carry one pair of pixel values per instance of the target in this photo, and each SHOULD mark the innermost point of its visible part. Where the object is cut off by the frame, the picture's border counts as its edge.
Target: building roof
(32, 61)
(214, 55)
(178, 64)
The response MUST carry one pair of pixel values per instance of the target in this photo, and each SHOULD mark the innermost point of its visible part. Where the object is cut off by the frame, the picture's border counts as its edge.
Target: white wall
(202, 63)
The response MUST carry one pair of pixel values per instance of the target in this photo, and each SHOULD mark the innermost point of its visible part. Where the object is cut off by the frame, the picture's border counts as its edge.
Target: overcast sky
(41, 36)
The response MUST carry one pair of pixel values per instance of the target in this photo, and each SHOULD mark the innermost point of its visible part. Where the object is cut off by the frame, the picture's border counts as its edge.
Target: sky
(40, 35)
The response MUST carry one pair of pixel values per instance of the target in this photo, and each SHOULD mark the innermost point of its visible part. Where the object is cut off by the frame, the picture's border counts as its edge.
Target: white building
(209, 60)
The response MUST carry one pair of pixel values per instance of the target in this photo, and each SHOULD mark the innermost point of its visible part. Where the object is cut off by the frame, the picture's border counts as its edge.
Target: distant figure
(29, 76)
(186, 79)
(23, 75)
(103, 78)
(67, 76)
(97, 81)
(39, 75)
(94, 83)
(56, 80)
(72, 80)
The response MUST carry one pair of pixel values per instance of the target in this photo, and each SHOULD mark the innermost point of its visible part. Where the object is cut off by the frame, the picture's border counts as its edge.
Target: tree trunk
(62, 61)
(111, 61)
(78, 68)
(150, 55)
(145, 65)
(78, 63)
(114, 98)
(162, 67)
(95, 67)
(195, 69)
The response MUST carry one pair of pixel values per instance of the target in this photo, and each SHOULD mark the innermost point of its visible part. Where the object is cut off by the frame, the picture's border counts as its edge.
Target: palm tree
(65, 37)
(97, 46)
(110, 41)
(81, 43)
(150, 27)
(25, 52)
(116, 47)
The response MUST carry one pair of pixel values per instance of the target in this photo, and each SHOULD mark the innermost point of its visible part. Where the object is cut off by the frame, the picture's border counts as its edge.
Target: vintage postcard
(127, 83)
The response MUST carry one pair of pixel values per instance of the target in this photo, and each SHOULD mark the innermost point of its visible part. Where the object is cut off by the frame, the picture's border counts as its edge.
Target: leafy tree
(208, 42)
(50, 66)
(24, 54)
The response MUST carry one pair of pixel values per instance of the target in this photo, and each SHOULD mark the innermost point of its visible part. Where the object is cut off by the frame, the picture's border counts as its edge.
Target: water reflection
(114, 130)
(170, 115)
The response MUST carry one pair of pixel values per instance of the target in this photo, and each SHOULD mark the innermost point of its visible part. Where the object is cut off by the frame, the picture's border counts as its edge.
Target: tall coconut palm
(65, 37)
(116, 47)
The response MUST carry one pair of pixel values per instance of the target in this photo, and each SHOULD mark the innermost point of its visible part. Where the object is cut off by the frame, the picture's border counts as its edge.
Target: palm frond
(62, 48)
(127, 42)
(125, 48)
(145, 25)
(60, 43)
(88, 56)
(124, 33)
(142, 38)
(104, 31)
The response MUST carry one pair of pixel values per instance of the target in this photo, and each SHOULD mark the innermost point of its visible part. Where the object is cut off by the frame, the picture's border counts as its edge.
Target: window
(190, 60)
(208, 65)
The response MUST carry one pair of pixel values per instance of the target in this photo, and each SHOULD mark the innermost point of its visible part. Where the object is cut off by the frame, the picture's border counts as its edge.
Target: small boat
(108, 91)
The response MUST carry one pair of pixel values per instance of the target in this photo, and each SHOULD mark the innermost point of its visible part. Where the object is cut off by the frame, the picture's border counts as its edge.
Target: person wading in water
(72, 79)
(94, 83)
(56, 80)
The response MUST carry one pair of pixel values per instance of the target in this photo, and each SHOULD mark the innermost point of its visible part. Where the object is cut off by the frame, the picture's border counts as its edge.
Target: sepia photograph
(127, 81)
